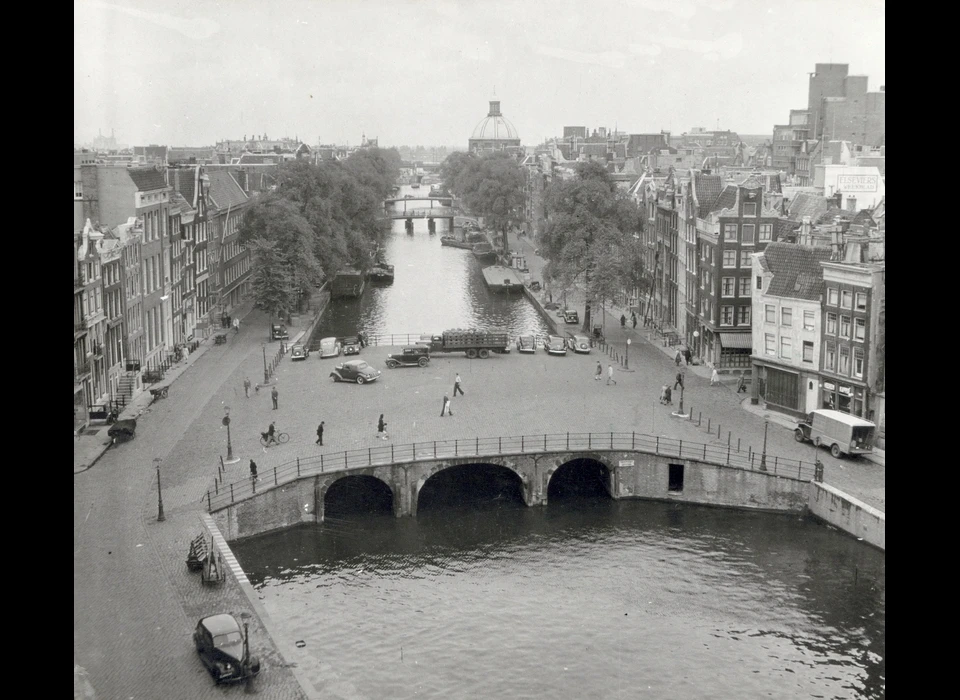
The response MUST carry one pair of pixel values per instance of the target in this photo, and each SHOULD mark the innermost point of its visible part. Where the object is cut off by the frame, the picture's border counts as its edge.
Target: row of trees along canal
(589, 231)
(320, 219)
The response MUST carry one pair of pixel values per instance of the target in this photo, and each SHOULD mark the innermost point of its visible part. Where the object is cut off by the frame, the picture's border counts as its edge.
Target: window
(846, 299)
(760, 282)
(77, 189)
(766, 232)
(675, 478)
(769, 344)
(726, 315)
(744, 287)
(808, 351)
(832, 324)
(729, 232)
(833, 297)
(830, 357)
(844, 326)
(770, 313)
(729, 284)
(786, 347)
(844, 360)
(786, 316)
(707, 281)
(745, 258)
(748, 233)
(808, 321)
(743, 316)
(749, 208)
(861, 301)
(860, 329)
(858, 363)
(729, 258)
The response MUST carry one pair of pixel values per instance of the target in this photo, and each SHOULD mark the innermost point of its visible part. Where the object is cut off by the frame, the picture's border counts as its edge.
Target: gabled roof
(178, 203)
(807, 204)
(225, 191)
(147, 179)
(863, 218)
(707, 189)
(726, 200)
(796, 270)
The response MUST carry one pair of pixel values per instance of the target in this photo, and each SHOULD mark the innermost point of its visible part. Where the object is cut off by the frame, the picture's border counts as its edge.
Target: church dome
(495, 126)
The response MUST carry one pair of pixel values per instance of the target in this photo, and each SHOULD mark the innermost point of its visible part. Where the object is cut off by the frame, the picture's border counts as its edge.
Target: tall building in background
(494, 133)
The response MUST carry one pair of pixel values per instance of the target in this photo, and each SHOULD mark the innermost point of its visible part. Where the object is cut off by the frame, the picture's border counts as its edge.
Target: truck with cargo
(474, 343)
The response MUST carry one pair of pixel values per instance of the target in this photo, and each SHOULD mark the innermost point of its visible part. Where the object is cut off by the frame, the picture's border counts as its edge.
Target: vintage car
(123, 430)
(570, 316)
(278, 331)
(527, 343)
(354, 371)
(299, 351)
(350, 345)
(578, 342)
(329, 347)
(842, 433)
(415, 355)
(555, 345)
(223, 649)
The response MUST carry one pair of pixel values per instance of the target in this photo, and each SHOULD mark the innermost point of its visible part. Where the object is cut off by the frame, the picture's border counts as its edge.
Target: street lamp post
(696, 343)
(226, 422)
(627, 364)
(266, 377)
(763, 455)
(160, 516)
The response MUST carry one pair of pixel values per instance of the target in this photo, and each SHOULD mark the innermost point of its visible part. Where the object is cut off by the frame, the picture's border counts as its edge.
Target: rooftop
(796, 270)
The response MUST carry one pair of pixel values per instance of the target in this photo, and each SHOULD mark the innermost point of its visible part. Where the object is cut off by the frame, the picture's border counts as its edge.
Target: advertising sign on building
(857, 183)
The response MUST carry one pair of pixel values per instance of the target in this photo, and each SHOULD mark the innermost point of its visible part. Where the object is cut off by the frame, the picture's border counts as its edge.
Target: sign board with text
(627, 463)
(857, 183)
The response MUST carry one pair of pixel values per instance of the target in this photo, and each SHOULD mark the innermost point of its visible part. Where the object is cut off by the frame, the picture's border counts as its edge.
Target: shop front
(840, 396)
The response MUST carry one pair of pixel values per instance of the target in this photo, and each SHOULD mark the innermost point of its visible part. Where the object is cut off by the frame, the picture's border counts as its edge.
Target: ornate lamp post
(763, 455)
(226, 422)
(160, 516)
(627, 365)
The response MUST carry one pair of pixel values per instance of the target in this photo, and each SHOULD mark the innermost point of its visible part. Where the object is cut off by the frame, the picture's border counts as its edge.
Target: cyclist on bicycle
(270, 435)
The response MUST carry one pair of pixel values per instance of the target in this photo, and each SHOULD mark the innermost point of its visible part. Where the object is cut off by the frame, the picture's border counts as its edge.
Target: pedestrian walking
(623, 321)
(456, 385)
(663, 394)
(382, 429)
(667, 396)
(610, 375)
(360, 340)
(599, 373)
(715, 378)
(320, 434)
(274, 394)
(687, 355)
(678, 358)
(236, 326)
(443, 408)
(633, 318)
(246, 386)
(679, 381)
(741, 383)
(253, 470)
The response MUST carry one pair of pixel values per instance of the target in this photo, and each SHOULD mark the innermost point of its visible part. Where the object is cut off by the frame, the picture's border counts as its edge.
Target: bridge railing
(222, 495)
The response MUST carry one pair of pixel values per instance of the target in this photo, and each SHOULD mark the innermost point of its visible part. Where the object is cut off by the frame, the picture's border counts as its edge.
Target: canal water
(435, 288)
(583, 598)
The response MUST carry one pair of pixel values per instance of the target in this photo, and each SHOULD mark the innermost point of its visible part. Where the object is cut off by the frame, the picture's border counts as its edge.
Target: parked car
(299, 351)
(578, 342)
(409, 356)
(555, 345)
(350, 345)
(841, 432)
(329, 347)
(223, 650)
(527, 343)
(278, 331)
(570, 316)
(355, 371)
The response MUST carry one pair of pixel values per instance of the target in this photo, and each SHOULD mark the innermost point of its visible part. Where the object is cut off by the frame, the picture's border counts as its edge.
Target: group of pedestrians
(446, 409)
(598, 375)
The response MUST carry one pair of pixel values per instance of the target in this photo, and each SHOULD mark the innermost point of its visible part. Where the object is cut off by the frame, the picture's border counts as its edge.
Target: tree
(272, 282)
(492, 186)
(375, 168)
(453, 169)
(588, 238)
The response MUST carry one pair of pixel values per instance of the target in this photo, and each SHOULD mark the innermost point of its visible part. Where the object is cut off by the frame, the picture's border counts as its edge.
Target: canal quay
(479, 595)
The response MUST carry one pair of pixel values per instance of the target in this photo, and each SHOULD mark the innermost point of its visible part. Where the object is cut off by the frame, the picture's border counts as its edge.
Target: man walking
(246, 386)
(236, 326)
(274, 394)
(446, 406)
(599, 373)
(610, 375)
(253, 470)
(678, 358)
(679, 381)
(623, 321)
(741, 383)
(633, 317)
(320, 434)
(456, 385)
(382, 429)
(715, 378)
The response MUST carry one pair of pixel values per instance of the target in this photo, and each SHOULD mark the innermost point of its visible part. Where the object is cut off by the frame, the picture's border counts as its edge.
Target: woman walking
(382, 429)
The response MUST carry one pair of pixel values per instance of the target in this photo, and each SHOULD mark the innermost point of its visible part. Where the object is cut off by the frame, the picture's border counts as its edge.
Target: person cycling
(270, 436)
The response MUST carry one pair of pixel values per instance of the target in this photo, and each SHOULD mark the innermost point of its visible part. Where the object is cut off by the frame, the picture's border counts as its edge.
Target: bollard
(699, 418)
(718, 431)
(708, 426)
(231, 493)
(216, 488)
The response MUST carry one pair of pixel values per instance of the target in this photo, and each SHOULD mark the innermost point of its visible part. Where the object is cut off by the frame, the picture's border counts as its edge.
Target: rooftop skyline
(423, 72)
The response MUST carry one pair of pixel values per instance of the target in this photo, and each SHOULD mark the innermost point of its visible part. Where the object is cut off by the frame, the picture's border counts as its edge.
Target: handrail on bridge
(722, 455)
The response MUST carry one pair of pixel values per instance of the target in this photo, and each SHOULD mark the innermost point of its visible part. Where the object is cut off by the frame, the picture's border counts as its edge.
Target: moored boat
(381, 273)
(455, 242)
(348, 283)
(484, 252)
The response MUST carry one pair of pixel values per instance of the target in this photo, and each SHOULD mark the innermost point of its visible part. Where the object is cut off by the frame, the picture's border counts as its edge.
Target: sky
(422, 72)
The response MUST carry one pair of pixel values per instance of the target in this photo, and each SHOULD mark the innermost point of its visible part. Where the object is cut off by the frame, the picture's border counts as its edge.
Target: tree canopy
(588, 238)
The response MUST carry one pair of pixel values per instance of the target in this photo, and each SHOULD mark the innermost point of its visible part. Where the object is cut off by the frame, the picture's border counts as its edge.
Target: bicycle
(278, 439)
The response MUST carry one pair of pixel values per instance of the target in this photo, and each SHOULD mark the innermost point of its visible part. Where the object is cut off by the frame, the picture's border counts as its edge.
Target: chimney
(805, 231)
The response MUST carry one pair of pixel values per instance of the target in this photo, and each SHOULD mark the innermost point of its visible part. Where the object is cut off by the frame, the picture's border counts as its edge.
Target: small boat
(484, 252)
(381, 273)
(455, 242)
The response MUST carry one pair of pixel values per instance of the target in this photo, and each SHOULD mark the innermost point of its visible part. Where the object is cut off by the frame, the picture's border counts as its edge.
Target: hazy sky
(422, 72)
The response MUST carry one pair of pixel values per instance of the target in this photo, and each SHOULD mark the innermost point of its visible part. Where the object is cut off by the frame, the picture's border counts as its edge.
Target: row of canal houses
(157, 264)
(749, 282)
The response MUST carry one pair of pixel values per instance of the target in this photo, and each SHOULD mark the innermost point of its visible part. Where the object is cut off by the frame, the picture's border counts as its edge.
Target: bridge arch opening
(357, 494)
(578, 479)
(475, 487)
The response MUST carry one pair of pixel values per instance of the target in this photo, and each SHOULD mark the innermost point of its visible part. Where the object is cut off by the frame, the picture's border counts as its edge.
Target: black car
(350, 345)
(223, 650)
(415, 355)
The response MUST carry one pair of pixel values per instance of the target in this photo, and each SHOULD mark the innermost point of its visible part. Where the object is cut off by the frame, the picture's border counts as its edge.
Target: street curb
(95, 459)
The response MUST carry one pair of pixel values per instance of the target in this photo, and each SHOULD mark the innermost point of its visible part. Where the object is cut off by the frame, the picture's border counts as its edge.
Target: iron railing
(222, 495)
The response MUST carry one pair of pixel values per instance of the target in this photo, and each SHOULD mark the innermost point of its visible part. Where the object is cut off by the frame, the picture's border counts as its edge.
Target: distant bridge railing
(222, 495)
(434, 213)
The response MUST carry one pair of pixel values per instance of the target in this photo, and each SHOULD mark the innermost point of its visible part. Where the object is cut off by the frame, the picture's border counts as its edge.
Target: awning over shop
(737, 341)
